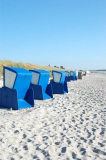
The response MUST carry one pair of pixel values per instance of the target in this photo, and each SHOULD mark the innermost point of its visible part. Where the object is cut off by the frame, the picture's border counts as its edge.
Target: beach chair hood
(39, 82)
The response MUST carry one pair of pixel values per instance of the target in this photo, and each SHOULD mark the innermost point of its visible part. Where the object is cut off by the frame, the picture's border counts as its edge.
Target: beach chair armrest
(30, 97)
(65, 87)
(49, 90)
(38, 93)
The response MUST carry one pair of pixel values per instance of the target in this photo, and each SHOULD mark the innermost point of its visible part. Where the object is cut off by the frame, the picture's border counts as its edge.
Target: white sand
(70, 126)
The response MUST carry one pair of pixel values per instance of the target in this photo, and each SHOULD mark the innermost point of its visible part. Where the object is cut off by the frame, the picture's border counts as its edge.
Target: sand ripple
(70, 126)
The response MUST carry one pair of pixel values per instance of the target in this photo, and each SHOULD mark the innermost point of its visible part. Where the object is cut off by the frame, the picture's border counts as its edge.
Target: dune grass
(27, 66)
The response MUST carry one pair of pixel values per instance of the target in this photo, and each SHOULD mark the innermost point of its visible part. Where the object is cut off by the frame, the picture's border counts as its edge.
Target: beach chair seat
(59, 88)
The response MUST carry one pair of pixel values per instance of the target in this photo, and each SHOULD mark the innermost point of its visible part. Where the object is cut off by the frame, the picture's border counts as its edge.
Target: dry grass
(27, 66)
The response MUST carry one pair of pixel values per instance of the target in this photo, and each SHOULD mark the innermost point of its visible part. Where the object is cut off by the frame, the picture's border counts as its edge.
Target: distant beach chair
(87, 73)
(39, 83)
(73, 75)
(79, 75)
(67, 79)
(84, 73)
(15, 92)
(59, 85)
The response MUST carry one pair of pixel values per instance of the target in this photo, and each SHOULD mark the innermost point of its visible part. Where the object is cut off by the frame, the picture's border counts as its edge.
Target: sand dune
(70, 126)
(27, 66)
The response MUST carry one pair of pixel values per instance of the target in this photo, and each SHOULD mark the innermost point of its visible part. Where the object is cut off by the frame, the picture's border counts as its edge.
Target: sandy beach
(70, 126)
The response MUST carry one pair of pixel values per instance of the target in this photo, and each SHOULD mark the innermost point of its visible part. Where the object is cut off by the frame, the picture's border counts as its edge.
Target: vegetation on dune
(27, 66)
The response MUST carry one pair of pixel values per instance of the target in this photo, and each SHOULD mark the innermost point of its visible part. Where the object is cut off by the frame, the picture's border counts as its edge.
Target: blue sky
(71, 33)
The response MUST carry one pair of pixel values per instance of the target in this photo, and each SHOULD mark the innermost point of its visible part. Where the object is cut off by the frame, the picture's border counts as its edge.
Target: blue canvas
(15, 93)
(39, 83)
(73, 75)
(59, 84)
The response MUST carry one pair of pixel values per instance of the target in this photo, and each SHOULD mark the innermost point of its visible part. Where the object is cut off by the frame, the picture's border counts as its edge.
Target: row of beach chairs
(21, 87)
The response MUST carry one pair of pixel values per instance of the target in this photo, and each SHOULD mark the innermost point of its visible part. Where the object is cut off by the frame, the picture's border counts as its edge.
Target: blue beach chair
(73, 75)
(59, 85)
(15, 92)
(39, 83)
(68, 79)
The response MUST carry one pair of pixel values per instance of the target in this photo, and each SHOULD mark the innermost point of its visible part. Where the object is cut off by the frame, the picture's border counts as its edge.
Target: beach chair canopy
(17, 78)
(59, 76)
(67, 79)
(39, 83)
(67, 74)
(72, 73)
(40, 77)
